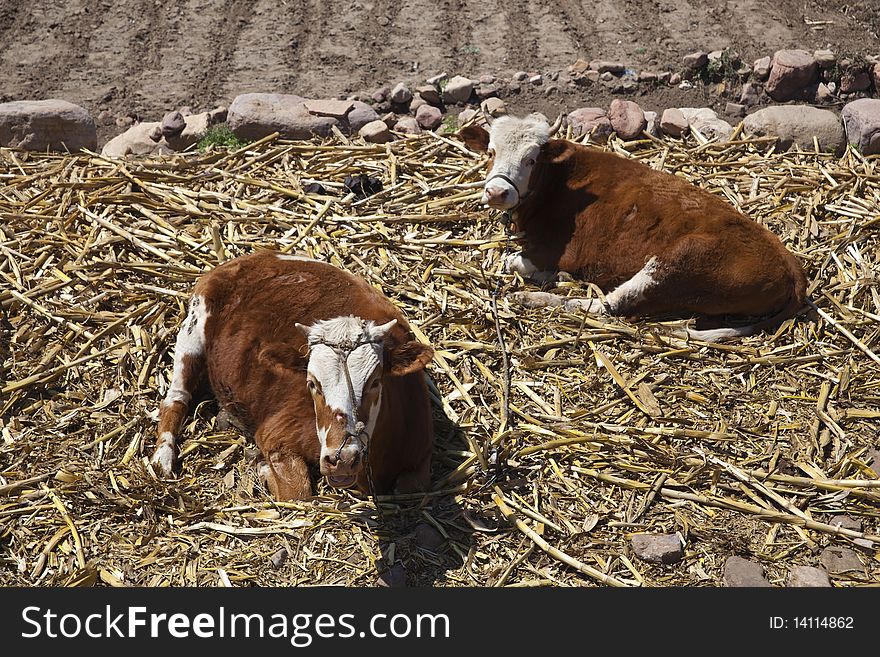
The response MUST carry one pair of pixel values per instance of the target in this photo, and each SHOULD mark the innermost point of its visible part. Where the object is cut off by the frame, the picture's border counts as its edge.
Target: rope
(496, 458)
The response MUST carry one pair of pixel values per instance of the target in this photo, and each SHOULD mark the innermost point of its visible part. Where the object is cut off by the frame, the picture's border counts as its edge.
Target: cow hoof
(163, 461)
(536, 299)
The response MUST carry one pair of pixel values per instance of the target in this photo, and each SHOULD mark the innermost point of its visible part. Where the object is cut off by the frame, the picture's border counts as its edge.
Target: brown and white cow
(319, 365)
(655, 244)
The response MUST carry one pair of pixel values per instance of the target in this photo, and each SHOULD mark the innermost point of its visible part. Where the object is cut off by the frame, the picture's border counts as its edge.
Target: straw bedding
(749, 448)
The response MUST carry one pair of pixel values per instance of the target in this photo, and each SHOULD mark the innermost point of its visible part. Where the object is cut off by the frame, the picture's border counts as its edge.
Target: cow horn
(556, 125)
(486, 116)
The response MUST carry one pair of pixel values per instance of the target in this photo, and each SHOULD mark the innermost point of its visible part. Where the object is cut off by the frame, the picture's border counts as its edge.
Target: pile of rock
(391, 112)
(177, 131)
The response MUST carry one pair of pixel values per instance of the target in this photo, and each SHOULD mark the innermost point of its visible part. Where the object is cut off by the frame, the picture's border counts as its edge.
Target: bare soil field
(145, 57)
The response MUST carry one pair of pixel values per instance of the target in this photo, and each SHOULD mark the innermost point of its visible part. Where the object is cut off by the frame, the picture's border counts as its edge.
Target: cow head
(514, 146)
(348, 360)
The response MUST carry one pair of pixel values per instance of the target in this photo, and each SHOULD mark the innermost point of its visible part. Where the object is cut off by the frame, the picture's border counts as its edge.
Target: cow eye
(375, 383)
(531, 161)
(491, 152)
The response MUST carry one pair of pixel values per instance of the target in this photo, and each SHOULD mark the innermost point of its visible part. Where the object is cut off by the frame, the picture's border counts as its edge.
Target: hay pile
(749, 448)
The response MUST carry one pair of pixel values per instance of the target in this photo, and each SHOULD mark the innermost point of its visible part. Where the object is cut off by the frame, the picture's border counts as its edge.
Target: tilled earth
(144, 57)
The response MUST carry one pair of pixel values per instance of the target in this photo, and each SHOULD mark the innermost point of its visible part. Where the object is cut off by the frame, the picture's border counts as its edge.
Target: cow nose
(332, 459)
(496, 194)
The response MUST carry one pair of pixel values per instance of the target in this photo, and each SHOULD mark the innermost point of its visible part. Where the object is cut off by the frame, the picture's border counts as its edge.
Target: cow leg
(622, 300)
(189, 367)
(626, 297)
(287, 477)
(519, 264)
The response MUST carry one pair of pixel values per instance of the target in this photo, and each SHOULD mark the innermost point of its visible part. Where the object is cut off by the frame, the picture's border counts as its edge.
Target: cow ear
(475, 137)
(409, 357)
(302, 328)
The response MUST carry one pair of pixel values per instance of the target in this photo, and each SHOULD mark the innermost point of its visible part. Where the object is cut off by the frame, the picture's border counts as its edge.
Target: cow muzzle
(500, 192)
(342, 464)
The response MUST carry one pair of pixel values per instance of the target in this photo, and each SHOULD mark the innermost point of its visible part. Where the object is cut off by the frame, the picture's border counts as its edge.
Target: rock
(823, 93)
(390, 119)
(173, 124)
(675, 79)
(751, 94)
(552, 89)
(429, 93)
(791, 72)
(337, 109)
(520, 76)
(360, 115)
(696, 60)
(647, 76)
(627, 119)
(466, 115)
(872, 458)
(536, 79)
(861, 119)
(824, 58)
(739, 572)
(607, 76)
(761, 68)
(195, 125)
(416, 103)
(486, 79)
(437, 79)
(608, 67)
(846, 522)
(429, 117)
(706, 122)
(807, 576)
(376, 132)
(664, 76)
(657, 548)
(381, 94)
(401, 94)
(494, 107)
(484, 91)
(853, 81)
(39, 125)
(673, 122)
(839, 560)
(735, 109)
(653, 124)
(458, 89)
(875, 74)
(428, 537)
(579, 67)
(279, 558)
(408, 126)
(141, 139)
(797, 124)
(590, 121)
(256, 115)
(394, 577)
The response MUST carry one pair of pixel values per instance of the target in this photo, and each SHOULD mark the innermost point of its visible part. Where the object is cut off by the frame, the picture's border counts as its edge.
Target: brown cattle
(654, 243)
(317, 364)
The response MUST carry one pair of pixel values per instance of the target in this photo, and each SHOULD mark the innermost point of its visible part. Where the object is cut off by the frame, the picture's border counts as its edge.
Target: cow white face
(514, 146)
(347, 362)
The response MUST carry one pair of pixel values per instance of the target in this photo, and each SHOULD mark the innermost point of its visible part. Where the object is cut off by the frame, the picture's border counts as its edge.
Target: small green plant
(220, 136)
(468, 50)
(449, 125)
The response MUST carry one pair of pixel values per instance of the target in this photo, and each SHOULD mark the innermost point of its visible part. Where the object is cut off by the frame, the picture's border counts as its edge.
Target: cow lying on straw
(320, 366)
(653, 243)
